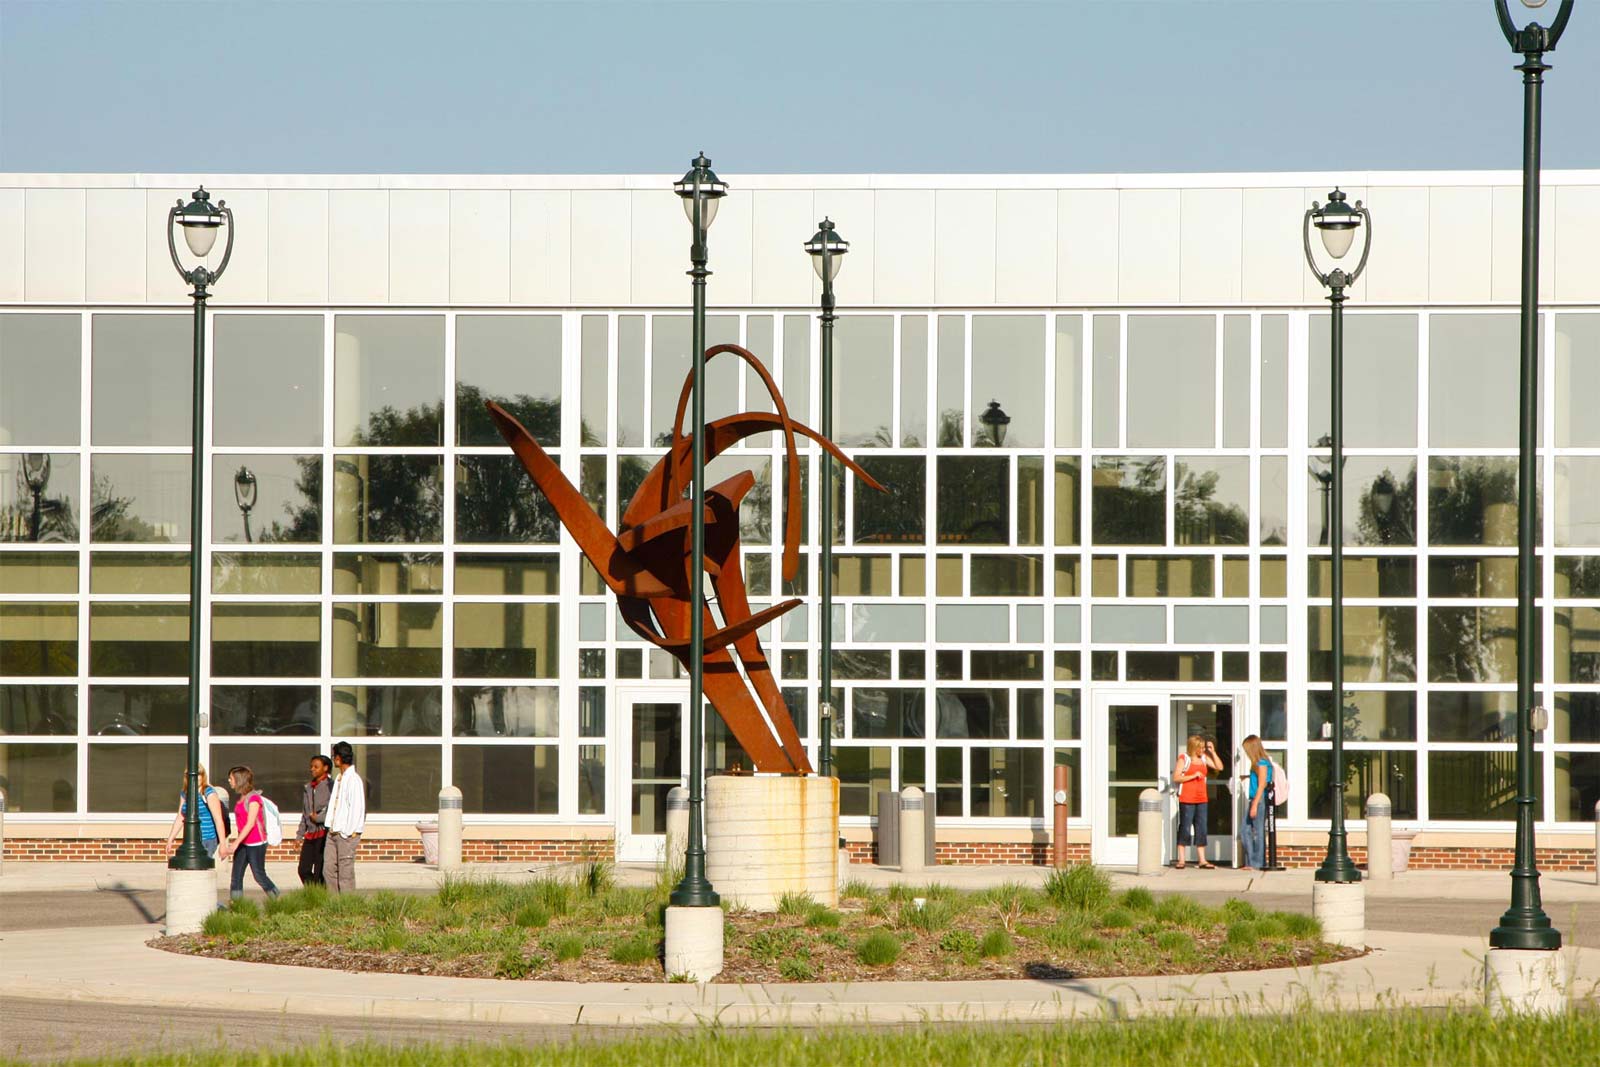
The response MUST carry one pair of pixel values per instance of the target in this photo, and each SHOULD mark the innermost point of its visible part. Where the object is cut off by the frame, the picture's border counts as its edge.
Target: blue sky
(767, 87)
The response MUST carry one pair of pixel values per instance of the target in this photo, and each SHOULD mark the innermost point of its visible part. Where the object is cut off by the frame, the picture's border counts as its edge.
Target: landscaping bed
(587, 929)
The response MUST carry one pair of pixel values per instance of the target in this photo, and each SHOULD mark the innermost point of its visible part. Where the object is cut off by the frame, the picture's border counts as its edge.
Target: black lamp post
(36, 476)
(1337, 222)
(995, 423)
(827, 250)
(700, 190)
(1524, 924)
(200, 220)
(244, 494)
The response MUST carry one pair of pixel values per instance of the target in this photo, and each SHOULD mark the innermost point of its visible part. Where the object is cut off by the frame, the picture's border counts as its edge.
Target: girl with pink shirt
(248, 842)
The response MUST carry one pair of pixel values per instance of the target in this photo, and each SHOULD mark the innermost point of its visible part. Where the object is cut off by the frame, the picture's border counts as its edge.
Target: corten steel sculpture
(646, 564)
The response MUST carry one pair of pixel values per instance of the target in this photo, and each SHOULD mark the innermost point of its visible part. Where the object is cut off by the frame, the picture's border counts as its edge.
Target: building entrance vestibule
(1136, 737)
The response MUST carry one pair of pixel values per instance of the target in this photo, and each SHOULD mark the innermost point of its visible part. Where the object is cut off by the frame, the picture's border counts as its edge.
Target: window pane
(148, 640)
(388, 499)
(266, 640)
(1476, 786)
(914, 381)
(1172, 380)
(1106, 412)
(1577, 577)
(140, 498)
(1369, 716)
(897, 516)
(515, 361)
(591, 779)
(41, 777)
(1008, 666)
(39, 573)
(267, 386)
(796, 379)
(38, 497)
(630, 380)
(40, 357)
(1236, 381)
(1030, 500)
(863, 774)
(265, 709)
(1007, 782)
(1171, 576)
(1069, 526)
(507, 640)
(1578, 645)
(502, 574)
(1380, 381)
(1577, 381)
(670, 361)
(1274, 381)
(978, 713)
(388, 380)
(863, 575)
(1473, 373)
(386, 711)
(266, 572)
(854, 664)
(1472, 500)
(1211, 502)
(280, 772)
(950, 385)
(142, 390)
(400, 778)
(1577, 786)
(38, 639)
(1391, 773)
(1472, 644)
(1578, 500)
(1380, 500)
(497, 503)
(1130, 500)
(974, 500)
(138, 710)
(1171, 666)
(755, 511)
(394, 573)
(139, 572)
(758, 339)
(507, 779)
(863, 381)
(1474, 576)
(507, 711)
(1008, 576)
(1008, 367)
(1274, 500)
(135, 778)
(593, 369)
(266, 498)
(1069, 381)
(879, 712)
(393, 640)
(1365, 576)
(38, 709)
(1486, 717)
(1380, 644)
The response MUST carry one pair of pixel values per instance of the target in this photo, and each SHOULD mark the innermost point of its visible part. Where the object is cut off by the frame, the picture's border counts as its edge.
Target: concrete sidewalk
(114, 965)
(1557, 888)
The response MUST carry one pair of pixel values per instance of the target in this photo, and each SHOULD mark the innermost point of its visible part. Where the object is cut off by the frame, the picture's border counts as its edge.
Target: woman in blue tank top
(210, 814)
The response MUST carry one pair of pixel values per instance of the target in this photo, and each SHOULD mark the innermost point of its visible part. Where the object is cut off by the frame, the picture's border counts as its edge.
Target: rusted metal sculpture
(646, 564)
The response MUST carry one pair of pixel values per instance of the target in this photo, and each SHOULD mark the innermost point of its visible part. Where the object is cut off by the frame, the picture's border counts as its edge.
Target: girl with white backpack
(254, 819)
(1263, 790)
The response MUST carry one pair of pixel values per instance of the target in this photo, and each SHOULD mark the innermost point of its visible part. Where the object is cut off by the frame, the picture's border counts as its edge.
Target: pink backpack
(1278, 783)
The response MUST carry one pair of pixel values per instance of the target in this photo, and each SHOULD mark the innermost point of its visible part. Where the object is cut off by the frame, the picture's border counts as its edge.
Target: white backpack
(1279, 784)
(274, 821)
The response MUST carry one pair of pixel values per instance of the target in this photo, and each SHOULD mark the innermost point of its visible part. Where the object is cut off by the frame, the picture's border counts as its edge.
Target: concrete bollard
(677, 827)
(912, 859)
(191, 896)
(1597, 842)
(449, 828)
(1341, 907)
(1380, 838)
(1150, 832)
(1525, 982)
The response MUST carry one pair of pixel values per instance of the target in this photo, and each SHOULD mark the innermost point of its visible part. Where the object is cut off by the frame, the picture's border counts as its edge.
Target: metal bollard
(912, 859)
(1063, 804)
(449, 828)
(1150, 832)
(1380, 838)
(677, 827)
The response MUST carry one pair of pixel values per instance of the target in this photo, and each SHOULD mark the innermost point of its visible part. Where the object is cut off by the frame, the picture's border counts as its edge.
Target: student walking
(248, 842)
(1197, 760)
(347, 818)
(211, 814)
(1260, 778)
(313, 834)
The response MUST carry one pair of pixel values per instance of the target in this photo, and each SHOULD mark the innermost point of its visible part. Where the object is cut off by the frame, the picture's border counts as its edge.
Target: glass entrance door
(652, 724)
(1210, 718)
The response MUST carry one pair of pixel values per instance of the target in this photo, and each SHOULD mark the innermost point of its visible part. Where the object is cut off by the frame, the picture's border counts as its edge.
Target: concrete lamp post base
(1341, 908)
(693, 943)
(191, 896)
(1520, 981)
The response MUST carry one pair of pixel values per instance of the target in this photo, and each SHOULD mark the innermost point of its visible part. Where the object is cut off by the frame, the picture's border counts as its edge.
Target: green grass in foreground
(1390, 1039)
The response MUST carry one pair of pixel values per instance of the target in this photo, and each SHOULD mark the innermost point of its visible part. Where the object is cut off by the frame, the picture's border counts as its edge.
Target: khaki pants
(339, 862)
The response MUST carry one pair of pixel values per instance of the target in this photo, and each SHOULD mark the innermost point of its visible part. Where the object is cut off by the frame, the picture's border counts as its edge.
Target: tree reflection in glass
(38, 497)
(898, 515)
(1380, 505)
(974, 500)
(1130, 500)
(388, 499)
(1472, 500)
(1211, 504)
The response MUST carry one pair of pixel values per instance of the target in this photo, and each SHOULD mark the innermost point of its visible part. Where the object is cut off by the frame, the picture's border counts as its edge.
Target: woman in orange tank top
(1199, 758)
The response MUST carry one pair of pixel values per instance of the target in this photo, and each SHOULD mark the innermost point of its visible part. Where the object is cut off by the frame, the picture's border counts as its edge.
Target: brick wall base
(961, 853)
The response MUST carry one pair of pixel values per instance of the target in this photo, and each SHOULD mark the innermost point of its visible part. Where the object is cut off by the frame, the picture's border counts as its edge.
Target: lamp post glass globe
(701, 183)
(201, 221)
(995, 420)
(1337, 221)
(244, 488)
(827, 250)
(1533, 3)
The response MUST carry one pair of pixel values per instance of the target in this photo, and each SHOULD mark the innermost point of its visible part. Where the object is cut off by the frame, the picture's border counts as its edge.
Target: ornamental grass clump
(1138, 899)
(878, 949)
(1081, 886)
(635, 948)
(795, 904)
(820, 916)
(995, 943)
(532, 917)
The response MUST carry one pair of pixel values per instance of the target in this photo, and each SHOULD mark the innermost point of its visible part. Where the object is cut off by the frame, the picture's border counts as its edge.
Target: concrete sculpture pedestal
(1341, 907)
(1525, 981)
(191, 896)
(769, 835)
(693, 947)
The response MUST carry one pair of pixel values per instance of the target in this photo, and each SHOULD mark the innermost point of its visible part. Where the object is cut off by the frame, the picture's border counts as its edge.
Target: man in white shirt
(347, 817)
